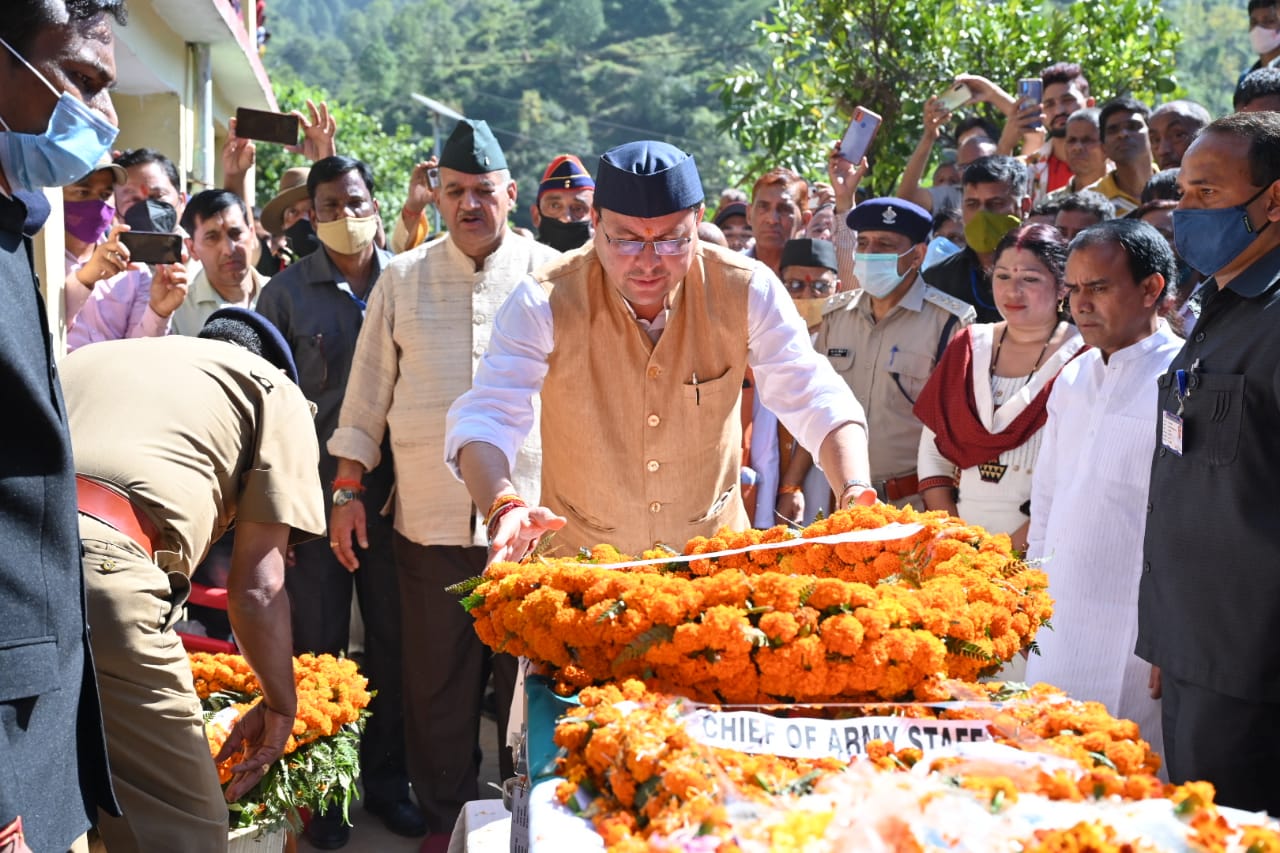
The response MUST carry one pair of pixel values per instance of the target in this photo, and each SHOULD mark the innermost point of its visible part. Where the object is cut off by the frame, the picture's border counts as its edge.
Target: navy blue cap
(565, 172)
(891, 214)
(806, 252)
(647, 179)
(275, 348)
(472, 149)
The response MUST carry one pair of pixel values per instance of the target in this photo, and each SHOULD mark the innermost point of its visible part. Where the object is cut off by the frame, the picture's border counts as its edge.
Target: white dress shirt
(792, 379)
(1088, 514)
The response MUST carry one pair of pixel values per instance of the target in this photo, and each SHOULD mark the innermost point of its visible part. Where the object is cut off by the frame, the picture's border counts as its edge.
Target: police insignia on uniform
(890, 216)
(837, 352)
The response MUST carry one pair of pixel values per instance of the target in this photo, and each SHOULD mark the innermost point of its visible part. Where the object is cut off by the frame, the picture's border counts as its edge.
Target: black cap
(472, 149)
(806, 252)
(647, 179)
(733, 208)
(275, 348)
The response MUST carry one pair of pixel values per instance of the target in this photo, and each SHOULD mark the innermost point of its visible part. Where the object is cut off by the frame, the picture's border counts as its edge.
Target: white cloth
(795, 382)
(1088, 513)
(997, 506)
(765, 460)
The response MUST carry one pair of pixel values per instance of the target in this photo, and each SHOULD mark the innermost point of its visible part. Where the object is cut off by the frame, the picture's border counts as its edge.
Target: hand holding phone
(1030, 92)
(955, 97)
(857, 139)
(267, 126)
(152, 247)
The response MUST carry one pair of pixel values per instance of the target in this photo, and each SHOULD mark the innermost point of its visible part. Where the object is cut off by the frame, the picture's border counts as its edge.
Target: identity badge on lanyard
(1171, 426)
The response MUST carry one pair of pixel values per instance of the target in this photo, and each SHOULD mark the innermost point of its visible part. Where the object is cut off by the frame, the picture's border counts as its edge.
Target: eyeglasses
(820, 287)
(631, 248)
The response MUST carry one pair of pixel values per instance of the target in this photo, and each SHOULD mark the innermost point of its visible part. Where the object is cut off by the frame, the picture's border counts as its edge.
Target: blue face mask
(878, 274)
(73, 144)
(1208, 240)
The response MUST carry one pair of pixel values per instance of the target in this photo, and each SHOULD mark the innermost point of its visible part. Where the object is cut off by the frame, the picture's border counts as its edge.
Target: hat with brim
(118, 174)
(275, 348)
(895, 215)
(647, 179)
(293, 189)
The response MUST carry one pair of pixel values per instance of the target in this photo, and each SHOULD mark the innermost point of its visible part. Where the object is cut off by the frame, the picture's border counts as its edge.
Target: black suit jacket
(53, 768)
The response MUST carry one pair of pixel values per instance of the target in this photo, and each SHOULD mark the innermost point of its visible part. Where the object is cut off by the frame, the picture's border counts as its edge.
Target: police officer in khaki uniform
(885, 337)
(175, 439)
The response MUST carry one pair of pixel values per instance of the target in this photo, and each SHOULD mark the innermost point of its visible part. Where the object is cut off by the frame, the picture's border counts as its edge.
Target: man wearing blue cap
(885, 337)
(562, 213)
(427, 325)
(159, 477)
(638, 344)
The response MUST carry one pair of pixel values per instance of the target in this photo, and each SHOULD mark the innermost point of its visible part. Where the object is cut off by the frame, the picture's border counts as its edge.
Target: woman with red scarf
(984, 405)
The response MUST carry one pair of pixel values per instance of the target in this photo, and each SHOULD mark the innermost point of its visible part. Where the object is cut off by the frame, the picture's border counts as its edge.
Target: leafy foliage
(828, 56)
(550, 76)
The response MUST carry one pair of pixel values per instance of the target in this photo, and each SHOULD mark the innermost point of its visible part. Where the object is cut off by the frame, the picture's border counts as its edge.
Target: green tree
(828, 56)
(391, 156)
(1210, 64)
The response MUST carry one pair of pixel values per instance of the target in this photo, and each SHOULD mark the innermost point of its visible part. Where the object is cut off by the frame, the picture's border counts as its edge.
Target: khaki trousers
(164, 777)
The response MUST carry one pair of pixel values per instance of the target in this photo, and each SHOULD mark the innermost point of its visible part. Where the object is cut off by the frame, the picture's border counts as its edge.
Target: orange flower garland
(639, 775)
(331, 692)
(810, 623)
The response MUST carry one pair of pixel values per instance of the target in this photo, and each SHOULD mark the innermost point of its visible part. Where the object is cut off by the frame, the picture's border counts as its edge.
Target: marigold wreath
(866, 620)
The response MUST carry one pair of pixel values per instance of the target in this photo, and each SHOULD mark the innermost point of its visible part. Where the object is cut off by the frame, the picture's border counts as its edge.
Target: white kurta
(1088, 514)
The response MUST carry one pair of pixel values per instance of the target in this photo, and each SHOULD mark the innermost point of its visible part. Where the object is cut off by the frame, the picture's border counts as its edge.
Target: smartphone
(152, 247)
(433, 179)
(857, 139)
(1031, 90)
(266, 126)
(955, 97)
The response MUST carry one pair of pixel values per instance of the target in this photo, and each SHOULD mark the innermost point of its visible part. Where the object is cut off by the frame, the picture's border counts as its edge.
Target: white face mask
(878, 274)
(350, 235)
(1263, 40)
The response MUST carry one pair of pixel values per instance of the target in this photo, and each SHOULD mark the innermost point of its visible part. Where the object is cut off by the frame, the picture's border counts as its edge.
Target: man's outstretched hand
(265, 733)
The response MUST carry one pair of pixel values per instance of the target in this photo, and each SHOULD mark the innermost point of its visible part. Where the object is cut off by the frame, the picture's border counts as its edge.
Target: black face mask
(563, 236)
(302, 238)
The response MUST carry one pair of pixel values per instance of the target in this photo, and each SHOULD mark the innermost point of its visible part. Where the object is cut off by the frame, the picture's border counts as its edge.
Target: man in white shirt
(1089, 494)
(638, 343)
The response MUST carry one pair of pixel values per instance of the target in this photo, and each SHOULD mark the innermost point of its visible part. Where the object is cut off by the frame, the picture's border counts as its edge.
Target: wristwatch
(342, 497)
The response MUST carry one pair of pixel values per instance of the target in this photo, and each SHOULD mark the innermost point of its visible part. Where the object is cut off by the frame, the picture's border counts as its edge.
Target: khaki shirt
(887, 363)
(202, 300)
(425, 332)
(199, 434)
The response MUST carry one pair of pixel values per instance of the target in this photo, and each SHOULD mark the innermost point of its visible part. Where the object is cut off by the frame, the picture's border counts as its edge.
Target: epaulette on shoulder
(838, 301)
(949, 303)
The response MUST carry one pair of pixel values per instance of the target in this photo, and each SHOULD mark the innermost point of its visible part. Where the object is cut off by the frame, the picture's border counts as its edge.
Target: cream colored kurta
(426, 329)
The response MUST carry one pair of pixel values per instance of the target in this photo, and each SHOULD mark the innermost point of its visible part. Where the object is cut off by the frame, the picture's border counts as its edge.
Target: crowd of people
(1060, 335)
